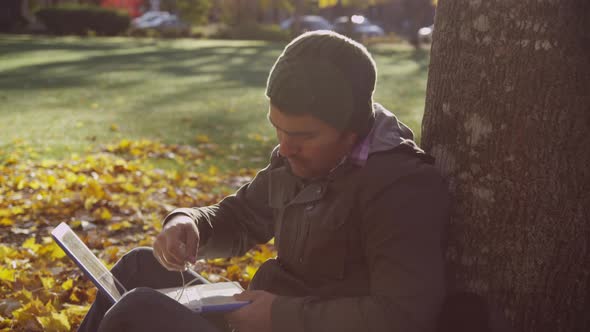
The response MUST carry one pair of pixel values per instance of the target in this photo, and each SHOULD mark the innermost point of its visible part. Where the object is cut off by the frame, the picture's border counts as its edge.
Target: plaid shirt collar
(360, 152)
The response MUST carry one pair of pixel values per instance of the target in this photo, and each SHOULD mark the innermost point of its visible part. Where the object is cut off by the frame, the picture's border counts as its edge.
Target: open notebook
(201, 298)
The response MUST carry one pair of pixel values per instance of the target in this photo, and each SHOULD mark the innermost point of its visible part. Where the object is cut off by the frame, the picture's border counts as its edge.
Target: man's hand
(254, 317)
(177, 243)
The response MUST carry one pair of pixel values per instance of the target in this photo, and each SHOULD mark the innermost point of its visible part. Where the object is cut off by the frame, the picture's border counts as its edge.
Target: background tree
(194, 11)
(276, 7)
(508, 119)
(239, 11)
(11, 17)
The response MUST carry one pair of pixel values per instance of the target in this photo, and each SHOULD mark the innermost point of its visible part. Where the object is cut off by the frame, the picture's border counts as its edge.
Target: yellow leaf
(7, 252)
(146, 241)
(54, 251)
(257, 137)
(129, 187)
(89, 202)
(146, 181)
(72, 310)
(74, 298)
(202, 139)
(55, 322)
(12, 159)
(233, 272)
(68, 284)
(71, 178)
(81, 179)
(114, 127)
(24, 315)
(48, 282)
(17, 210)
(106, 214)
(250, 270)
(27, 294)
(30, 244)
(49, 306)
(7, 274)
(6, 222)
(51, 180)
(213, 170)
(94, 189)
(57, 252)
(119, 225)
(112, 252)
(327, 3)
(124, 144)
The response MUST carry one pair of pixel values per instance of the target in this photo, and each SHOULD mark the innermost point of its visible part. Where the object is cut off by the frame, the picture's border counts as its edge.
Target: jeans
(143, 308)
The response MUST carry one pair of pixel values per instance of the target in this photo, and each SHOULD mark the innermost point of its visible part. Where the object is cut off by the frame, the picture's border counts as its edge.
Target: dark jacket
(358, 250)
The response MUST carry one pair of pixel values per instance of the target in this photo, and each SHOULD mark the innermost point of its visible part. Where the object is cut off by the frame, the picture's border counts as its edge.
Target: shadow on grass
(10, 44)
(246, 65)
(203, 87)
(420, 56)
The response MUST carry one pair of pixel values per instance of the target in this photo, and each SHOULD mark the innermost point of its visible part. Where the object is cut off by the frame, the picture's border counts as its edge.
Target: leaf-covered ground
(114, 198)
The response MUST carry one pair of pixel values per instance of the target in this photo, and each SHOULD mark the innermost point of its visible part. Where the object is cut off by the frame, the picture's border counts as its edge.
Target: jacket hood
(388, 132)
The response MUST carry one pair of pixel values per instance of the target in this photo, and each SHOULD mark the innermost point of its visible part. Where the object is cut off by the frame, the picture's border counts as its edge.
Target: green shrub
(254, 31)
(83, 20)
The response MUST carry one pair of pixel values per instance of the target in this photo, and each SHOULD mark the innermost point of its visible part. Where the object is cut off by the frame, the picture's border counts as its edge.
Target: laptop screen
(86, 260)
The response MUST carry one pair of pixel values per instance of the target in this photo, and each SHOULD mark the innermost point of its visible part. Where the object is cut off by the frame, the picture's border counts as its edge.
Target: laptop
(206, 297)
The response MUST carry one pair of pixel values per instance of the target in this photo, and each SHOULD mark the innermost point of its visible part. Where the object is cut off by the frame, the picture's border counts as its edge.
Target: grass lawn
(68, 95)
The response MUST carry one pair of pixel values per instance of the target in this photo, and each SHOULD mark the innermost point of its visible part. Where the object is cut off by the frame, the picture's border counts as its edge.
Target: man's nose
(287, 146)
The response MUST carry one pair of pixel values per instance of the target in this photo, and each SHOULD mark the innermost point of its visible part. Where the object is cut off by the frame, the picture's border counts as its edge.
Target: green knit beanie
(328, 76)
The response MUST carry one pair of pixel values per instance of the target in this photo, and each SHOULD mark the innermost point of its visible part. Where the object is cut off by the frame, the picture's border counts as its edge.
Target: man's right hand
(177, 243)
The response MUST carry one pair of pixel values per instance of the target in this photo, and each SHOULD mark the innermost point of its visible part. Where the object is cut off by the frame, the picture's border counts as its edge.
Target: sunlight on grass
(69, 94)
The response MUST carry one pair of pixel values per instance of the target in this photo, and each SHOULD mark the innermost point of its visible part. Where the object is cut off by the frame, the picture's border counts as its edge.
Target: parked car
(163, 23)
(357, 27)
(306, 23)
(425, 35)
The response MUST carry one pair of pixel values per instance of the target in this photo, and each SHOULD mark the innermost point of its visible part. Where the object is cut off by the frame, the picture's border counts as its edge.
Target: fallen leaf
(55, 322)
(30, 244)
(6, 222)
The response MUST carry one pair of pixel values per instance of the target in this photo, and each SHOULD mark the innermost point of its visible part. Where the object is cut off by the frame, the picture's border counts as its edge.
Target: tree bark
(508, 118)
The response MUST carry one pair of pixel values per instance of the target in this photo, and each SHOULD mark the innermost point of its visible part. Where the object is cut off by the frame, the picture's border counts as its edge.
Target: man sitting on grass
(355, 207)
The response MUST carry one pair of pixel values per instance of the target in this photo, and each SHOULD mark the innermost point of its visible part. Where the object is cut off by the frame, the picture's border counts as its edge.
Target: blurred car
(357, 27)
(425, 34)
(164, 23)
(306, 23)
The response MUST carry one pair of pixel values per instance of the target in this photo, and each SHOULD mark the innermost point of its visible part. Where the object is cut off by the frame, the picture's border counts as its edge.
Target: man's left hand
(254, 317)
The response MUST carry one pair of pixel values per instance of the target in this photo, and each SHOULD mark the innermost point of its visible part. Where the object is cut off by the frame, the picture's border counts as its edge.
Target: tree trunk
(508, 118)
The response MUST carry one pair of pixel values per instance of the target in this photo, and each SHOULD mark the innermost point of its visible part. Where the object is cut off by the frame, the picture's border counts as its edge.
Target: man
(355, 207)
